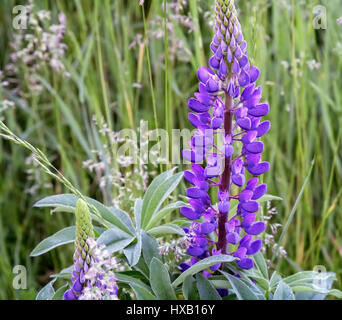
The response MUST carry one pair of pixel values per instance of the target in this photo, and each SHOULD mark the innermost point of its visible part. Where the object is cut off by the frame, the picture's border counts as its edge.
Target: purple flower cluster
(226, 149)
(93, 277)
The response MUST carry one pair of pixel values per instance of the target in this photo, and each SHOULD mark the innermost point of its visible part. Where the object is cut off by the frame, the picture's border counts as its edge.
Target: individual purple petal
(223, 67)
(245, 241)
(196, 106)
(204, 98)
(184, 266)
(194, 193)
(229, 150)
(207, 228)
(260, 110)
(212, 86)
(254, 73)
(229, 55)
(263, 128)
(254, 247)
(243, 61)
(236, 67)
(248, 92)
(246, 263)
(223, 207)
(190, 177)
(213, 47)
(197, 205)
(256, 228)
(250, 206)
(244, 78)
(253, 159)
(70, 295)
(259, 191)
(248, 220)
(245, 195)
(252, 183)
(219, 54)
(77, 286)
(244, 123)
(238, 179)
(195, 251)
(214, 63)
(190, 214)
(249, 137)
(252, 101)
(238, 53)
(216, 123)
(255, 147)
(240, 253)
(198, 171)
(194, 120)
(204, 74)
(259, 169)
(233, 238)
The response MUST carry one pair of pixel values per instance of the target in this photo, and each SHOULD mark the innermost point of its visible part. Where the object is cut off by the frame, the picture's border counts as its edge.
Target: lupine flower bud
(83, 258)
(228, 103)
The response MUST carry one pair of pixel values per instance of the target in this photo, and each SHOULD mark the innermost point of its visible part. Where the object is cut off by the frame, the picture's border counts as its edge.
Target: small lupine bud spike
(83, 252)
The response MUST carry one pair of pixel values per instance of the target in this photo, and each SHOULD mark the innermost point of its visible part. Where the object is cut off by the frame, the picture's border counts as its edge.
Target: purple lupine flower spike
(83, 258)
(228, 105)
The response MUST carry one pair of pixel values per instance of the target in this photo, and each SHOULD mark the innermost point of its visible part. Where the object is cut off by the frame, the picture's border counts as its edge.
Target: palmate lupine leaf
(122, 234)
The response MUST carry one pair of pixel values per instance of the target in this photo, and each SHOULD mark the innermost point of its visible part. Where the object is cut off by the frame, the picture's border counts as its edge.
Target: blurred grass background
(117, 77)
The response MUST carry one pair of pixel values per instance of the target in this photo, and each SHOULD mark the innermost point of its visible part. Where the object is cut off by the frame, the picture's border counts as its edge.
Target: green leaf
(269, 197)
(166, 229)
(62, 202)
(189, 289)
(121, 277)
(154, 185)
(150, 248)
(133, 252)
(163, 213)
(261, 264)
(64, 274)
(124, 219)
(142, 267)
(308, 277)
(275, 279)
(283, 292)
(206, 289)
(158, 193)
(137, 212)
(202, 265)
(47, 292)
(142, 293)
(160, 281)
(242, 290)
(141, 290)
(59, 295)
(115, 239)
(67, 202)
(60, 238)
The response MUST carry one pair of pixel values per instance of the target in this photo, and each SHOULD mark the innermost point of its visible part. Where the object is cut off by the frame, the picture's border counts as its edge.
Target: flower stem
(226, 175)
